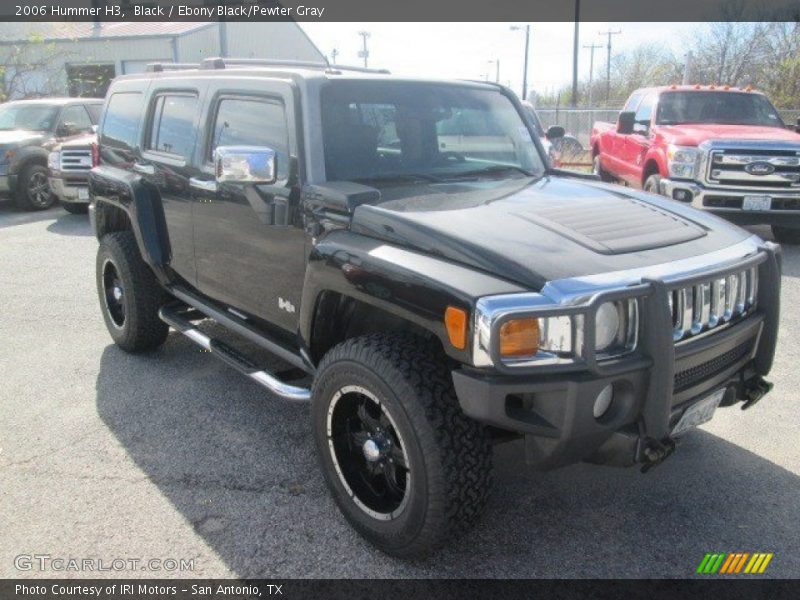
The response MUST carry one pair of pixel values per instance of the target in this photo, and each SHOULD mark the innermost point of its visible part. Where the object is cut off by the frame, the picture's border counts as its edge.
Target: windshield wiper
(492, 169)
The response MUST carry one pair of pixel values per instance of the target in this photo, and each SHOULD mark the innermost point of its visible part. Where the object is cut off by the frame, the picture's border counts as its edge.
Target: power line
(364, 53)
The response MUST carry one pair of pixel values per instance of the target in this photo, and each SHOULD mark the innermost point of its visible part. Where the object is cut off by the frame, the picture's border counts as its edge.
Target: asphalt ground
(104, 455)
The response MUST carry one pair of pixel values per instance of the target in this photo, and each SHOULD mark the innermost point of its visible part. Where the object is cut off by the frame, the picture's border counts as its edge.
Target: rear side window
(252, 122)
(77, 118)
(172, 129)
(121, 122)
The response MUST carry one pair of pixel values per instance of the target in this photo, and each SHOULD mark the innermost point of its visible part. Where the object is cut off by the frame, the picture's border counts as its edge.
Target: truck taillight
(95, 154)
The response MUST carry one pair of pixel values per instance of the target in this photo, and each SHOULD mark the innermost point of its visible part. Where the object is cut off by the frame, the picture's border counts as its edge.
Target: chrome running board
(173, 317)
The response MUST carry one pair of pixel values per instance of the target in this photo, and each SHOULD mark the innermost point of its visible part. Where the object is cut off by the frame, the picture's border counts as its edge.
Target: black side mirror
(554, 132)
(625, 122)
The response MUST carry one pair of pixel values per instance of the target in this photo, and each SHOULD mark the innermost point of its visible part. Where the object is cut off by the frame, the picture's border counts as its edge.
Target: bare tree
(31, 69)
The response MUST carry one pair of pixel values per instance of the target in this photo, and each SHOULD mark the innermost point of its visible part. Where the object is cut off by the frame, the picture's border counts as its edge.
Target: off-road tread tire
(457, 449)
(21, 199)
(143, 330)
(74, 208)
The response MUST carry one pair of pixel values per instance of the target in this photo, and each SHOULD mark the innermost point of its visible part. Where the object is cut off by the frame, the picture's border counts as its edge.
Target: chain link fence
(578, 121)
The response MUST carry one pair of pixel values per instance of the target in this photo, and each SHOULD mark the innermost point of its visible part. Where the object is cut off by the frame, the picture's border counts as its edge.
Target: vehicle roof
(278, 71)
(699, 88)
(58, 101)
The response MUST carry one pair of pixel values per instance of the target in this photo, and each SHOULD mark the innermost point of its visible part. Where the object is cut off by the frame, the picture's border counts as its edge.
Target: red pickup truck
(722, 149)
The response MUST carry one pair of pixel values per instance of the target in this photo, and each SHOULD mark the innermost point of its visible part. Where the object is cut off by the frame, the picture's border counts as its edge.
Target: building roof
(20, 32)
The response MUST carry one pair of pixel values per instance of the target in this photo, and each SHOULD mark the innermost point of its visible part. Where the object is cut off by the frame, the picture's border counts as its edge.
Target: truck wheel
(129, 294)
(405, 465)
(75, 209)
(786, 235)
(33, 190)
(652, 184)
(598, 170)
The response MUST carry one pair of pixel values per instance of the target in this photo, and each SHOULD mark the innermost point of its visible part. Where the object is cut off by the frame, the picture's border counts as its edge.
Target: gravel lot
(174, 455)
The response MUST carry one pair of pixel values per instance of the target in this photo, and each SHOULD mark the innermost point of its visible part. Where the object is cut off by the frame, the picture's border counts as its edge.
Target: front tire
(33, 192)
(653, 184)
(130, 296)
(407, 468)
(786, 235)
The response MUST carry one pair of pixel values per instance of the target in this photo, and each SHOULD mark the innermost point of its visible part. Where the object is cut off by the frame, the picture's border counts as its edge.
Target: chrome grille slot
(710, 304)
(764, 168)
(76, 159)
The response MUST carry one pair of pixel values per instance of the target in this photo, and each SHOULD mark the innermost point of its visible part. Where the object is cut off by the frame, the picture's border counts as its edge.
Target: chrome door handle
(144, 169)
(204, 185)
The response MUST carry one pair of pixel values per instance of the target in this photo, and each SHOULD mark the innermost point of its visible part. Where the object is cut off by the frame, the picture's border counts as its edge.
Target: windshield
(35, 117)
(378, 130)
(724, 108)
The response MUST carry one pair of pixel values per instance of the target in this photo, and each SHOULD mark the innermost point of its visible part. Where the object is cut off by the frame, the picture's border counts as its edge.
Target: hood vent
(614, 224)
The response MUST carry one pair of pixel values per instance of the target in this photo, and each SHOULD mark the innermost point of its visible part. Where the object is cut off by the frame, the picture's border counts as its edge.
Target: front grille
(752, 168)
(76, 159)
(710, 304)
(718, 201)
(693, 375)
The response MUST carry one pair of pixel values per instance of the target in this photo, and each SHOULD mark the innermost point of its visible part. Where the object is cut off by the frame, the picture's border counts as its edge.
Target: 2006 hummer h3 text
(435, 301)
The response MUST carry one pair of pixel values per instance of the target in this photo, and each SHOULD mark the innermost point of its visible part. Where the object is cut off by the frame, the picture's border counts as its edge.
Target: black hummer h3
(404, 244)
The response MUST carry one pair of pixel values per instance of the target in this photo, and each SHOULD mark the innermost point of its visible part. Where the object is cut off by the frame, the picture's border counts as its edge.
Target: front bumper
(727, 202)
(651, 390)
(70, 191)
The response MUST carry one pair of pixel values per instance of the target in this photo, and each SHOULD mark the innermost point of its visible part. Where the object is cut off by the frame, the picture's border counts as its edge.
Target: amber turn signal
(519, 337)
(455, 321)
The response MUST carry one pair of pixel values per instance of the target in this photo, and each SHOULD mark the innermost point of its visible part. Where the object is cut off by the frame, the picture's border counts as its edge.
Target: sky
(464, 50)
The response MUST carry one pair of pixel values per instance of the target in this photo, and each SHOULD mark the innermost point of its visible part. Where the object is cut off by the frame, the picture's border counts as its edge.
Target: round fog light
(603, 401)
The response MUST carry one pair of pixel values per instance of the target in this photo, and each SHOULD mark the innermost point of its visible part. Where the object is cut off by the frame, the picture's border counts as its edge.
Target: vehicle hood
(696, 134)
(20, 137)
(534, 232)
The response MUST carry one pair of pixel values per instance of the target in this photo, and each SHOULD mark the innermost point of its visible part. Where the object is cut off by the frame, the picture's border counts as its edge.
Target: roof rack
(221, 63)
(159, 67)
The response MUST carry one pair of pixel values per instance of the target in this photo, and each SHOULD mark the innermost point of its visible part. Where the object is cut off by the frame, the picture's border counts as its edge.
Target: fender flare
(141, 203)
(411, 285)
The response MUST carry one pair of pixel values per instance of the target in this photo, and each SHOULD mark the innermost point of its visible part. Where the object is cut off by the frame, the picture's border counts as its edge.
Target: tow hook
(655, 452)
(755, 389)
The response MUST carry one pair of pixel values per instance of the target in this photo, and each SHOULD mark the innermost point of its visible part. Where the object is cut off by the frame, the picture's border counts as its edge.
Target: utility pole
(575, 53)
(592, 48)
(497, 70)
(687, 69)
(609, 33)
(364, 53)
(525, 67)
(334, 54)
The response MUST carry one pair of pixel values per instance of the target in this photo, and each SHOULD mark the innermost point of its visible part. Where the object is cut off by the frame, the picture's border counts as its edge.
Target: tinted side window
(172, 129)
(121, 122)
(77, 117)
(252, 122)
(94, 112)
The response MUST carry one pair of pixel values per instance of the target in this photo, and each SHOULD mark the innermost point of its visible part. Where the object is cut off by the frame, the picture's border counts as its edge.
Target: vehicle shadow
(10, 215)
(71, 225)
(240, 468)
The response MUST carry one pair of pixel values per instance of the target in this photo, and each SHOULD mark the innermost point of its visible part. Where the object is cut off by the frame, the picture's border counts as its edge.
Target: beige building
(80, 59)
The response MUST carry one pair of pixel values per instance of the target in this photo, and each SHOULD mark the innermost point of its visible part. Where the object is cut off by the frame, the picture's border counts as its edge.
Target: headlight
(681, 161)
(54, 161)
(529, 339)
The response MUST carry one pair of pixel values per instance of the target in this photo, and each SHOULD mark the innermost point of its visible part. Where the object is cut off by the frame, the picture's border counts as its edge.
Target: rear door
(167, 163)
(636, 144)
(249, 242)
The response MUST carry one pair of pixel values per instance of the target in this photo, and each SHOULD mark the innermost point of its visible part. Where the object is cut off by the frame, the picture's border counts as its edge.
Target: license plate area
(698, 413)
(757, 203)
(83, 193)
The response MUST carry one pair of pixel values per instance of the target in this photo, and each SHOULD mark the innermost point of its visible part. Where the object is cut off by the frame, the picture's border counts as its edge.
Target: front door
(249, 245)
